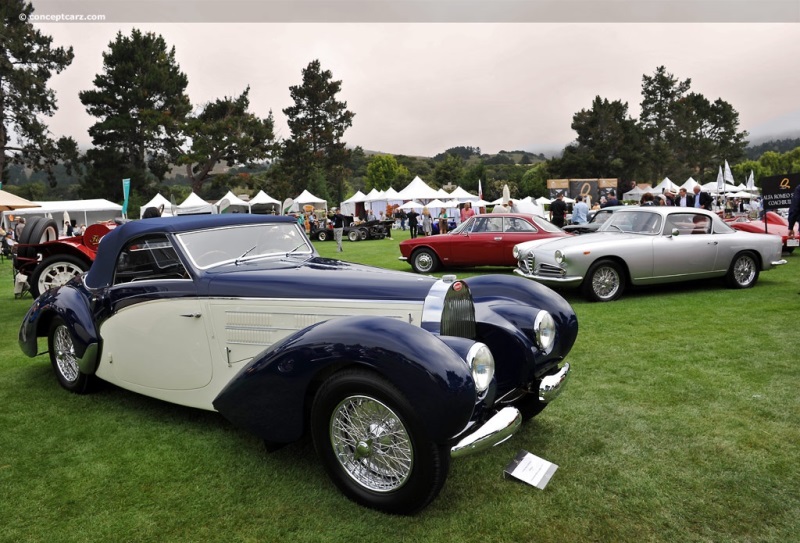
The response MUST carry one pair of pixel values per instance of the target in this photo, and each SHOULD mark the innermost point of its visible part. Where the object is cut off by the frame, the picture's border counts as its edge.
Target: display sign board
(776, 190)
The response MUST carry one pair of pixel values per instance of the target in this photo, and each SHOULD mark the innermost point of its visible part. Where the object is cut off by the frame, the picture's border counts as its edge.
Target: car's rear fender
(271, 394)
(71, 303)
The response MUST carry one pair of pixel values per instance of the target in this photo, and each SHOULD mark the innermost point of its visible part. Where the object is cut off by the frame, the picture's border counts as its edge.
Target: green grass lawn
(680, 424)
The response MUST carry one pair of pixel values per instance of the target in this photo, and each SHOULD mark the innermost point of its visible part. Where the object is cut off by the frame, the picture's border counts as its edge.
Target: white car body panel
(210, 340)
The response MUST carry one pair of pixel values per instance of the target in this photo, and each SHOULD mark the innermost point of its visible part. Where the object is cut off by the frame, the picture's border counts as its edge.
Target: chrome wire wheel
(371, 443)
(64, 354)
(606, 282)
(744, 270)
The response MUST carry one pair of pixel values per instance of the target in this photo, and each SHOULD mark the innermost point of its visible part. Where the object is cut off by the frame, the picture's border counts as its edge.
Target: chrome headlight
(545, 328)
(515, 252)
(559, 256)
(481, 362)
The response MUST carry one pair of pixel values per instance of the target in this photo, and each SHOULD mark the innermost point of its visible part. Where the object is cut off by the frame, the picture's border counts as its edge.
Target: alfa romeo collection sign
(776, 190)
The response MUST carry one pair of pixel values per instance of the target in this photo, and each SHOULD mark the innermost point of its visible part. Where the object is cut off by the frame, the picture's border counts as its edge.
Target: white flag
(720, 181)
(751, 182)
(728, 176)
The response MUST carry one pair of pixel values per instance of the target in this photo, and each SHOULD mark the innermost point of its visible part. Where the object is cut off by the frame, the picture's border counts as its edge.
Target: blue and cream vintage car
(391, 373)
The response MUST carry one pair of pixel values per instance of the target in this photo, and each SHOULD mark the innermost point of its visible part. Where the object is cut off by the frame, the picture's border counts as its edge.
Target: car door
(480, 245)
(155, 337)
(690, 254)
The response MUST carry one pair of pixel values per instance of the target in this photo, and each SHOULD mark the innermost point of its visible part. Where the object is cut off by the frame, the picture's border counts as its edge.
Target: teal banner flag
(126, 191)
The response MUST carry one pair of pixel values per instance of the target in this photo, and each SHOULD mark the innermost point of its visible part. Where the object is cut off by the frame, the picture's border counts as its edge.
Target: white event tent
(348, 207)
(417, 189)
(158, 201)
(263, 201)
(194, 205)
(306, 198)
(230, 203)
(82, 211)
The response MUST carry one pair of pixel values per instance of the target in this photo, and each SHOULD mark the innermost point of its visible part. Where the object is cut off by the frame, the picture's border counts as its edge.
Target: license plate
(792, 242)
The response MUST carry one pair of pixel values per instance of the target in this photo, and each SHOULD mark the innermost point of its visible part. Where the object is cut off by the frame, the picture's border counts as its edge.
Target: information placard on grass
(531, 469)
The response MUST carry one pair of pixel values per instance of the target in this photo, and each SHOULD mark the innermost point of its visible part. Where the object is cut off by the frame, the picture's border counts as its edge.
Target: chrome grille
(458, 313)
(549, 270)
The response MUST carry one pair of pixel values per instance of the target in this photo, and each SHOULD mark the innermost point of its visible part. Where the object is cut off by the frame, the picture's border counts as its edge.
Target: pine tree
(317, 122)
(27, 61)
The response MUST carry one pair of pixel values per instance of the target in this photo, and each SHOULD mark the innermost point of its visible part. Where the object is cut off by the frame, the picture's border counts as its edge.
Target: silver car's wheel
(424, 261)
(743, 272)
(372, 444)
(605, 281)
(64, 360)
(54, 272)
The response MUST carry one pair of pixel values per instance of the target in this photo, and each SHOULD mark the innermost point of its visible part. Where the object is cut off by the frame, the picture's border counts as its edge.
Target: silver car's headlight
(559, 256)
(481, 362)
(545, 328)
(515, 252)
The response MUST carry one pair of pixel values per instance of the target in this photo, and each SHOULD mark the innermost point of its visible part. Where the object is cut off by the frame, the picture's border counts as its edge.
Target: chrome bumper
(496, 430)
(552, 385)
(780, 262)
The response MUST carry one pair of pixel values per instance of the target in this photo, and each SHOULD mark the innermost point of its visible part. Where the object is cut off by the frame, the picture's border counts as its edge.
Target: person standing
(19, 228)
(412, 222)
(702, 199)
(684, 199)
(338, 227)
(558, 210)
(794, 211)
(467, 211)
(611, 199)
(442, 221)
(580, 212)
(427, 222)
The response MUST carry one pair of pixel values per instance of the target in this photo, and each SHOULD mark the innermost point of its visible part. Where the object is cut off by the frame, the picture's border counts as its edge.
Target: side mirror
(675, 232)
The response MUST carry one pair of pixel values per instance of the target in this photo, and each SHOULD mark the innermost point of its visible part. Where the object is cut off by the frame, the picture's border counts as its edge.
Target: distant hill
(779, 146)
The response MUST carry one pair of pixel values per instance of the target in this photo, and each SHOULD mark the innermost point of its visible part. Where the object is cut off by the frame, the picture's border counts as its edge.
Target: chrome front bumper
(496, 430)
(552, 385)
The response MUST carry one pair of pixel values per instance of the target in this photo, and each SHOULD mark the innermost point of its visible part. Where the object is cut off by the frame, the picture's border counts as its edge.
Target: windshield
(207, 248)
(633, 222)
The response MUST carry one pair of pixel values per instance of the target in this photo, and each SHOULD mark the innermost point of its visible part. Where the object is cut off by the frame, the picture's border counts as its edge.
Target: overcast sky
(419, 88)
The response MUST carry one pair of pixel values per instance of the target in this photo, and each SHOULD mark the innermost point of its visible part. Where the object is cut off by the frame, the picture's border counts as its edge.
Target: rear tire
(743, 272)
(322, 235)
(373, 446)
(354, 235)
(64, 360)
(605, 281)
(424, 261)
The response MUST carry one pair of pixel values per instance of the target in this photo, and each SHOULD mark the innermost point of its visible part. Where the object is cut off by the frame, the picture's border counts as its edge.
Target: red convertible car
(772, 224)
(483, 240)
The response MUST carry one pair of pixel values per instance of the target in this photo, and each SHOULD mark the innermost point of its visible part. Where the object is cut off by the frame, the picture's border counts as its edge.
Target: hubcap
(65, 354)
(605, 282)
(424, 261)
(371, 444)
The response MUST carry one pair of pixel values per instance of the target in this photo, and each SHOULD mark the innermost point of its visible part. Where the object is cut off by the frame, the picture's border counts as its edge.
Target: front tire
(605, 281)
(354, 235)
(322, 235)
(424, 261)
(373, 446)
(743, 272)
(64, 360)
(54, 272)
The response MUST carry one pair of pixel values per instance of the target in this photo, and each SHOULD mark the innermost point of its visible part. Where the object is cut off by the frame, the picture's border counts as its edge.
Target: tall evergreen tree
(660, 93)
(317, 121)
(141, 105)
(224, 131)
(27, 61)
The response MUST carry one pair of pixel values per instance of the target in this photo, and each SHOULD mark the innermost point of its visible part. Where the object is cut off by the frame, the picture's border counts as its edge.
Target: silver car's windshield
(208, 248)
(633, 222)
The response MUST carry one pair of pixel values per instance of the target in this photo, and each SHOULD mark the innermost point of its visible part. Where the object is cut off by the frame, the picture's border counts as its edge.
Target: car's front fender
(269, 395)
(72, 303)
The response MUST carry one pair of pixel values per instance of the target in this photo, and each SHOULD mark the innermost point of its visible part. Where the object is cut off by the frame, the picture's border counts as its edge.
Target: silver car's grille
(549, 270)
(458, 313)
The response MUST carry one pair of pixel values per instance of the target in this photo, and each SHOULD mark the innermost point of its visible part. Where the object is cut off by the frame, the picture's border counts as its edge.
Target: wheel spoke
(371, 443)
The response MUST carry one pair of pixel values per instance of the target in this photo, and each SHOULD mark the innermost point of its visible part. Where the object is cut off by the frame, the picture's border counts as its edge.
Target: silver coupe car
(646, 246)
